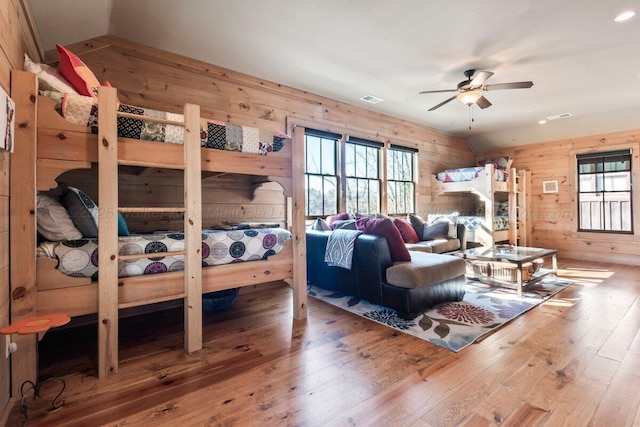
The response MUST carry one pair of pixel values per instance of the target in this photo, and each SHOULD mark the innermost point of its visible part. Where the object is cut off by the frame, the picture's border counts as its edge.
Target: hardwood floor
(572, 361)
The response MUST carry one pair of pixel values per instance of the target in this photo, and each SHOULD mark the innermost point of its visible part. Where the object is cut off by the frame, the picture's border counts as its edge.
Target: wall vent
(372, 99)
(559, 116)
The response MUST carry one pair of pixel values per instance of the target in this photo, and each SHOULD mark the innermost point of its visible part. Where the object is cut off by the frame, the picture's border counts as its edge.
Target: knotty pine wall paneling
(554, 216)
(156, 79)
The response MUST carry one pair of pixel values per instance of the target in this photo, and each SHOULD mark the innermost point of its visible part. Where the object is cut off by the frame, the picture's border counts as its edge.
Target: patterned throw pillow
(84, 213)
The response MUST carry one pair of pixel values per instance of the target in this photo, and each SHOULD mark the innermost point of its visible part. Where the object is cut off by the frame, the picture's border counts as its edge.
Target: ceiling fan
(470, 91)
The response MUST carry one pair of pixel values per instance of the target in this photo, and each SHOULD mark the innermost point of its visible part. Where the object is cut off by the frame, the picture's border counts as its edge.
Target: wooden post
(107, 233)
(22, 208)
(192, 230)
(513, 188)
(299, 284)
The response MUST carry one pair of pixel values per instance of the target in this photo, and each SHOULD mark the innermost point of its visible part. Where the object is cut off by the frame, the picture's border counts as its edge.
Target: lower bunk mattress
(79, 258)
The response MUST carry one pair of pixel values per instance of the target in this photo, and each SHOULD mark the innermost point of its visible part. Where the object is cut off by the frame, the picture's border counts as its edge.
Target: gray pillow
(320, 225)
(418, 223)
(437, 230)
(347, 224)
(82, 211)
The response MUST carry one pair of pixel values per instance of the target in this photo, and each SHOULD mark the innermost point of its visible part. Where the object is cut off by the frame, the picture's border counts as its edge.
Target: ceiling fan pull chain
(470, 115)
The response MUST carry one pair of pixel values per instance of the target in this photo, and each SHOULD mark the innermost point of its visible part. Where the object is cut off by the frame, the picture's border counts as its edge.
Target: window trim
(573, 187)
(344, 132)
(378, 146)
(336, 167)
(414, 152)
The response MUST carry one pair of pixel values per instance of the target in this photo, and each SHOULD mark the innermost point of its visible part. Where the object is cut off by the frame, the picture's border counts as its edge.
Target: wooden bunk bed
(48, 145)
(488, 189)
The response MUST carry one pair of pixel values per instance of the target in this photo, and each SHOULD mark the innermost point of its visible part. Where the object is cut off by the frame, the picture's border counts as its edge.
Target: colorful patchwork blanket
(83, 110)
(79, 258)
(469, 174)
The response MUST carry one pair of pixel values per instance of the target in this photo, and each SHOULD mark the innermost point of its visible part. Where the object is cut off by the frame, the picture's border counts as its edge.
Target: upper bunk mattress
(83, 110)
(79, 258)
(469, 174)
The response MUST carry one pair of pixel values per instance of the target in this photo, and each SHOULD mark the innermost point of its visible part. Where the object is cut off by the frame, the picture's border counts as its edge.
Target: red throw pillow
(406, 230)
(384, 227)
(77, 73)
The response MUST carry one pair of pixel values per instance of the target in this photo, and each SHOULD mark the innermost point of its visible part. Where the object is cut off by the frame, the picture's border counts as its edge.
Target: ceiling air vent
(559, 116)
(372, 99)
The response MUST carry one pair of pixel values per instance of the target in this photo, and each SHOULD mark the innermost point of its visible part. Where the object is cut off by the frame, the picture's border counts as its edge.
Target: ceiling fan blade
(483, 102)
(480, 78)
(437, 91)
(514, 85)
(443, 102)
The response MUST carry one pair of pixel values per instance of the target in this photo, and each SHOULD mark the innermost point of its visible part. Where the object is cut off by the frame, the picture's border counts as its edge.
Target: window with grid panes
(604, 192)
(400, 180)
(321, 173)
(362, 175)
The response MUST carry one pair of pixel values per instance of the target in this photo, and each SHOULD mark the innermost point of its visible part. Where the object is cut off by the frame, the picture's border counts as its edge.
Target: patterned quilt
(79, 258)
(475, 222)
(83, 110)
(469, 174)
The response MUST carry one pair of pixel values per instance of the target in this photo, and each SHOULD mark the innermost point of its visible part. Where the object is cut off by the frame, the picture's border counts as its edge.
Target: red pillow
(384, 227)
(406, 230)
(77, 73)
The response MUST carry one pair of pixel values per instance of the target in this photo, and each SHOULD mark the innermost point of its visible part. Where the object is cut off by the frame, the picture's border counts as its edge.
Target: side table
(37, 325)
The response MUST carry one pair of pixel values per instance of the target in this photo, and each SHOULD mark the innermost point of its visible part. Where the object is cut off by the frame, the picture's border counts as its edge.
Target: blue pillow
(123, 230)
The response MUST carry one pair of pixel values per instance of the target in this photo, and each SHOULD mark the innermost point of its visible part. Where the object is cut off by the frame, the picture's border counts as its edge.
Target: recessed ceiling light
(625, 16)
(372, 99)
(542, 122)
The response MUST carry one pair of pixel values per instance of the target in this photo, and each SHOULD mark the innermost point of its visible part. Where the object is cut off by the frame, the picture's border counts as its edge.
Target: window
(362, 176)
(400, 181)
(321, 175)
(344, 174)
(604, 192)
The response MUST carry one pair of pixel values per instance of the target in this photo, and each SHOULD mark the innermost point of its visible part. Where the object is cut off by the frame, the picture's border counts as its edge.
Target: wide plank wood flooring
(574, 361)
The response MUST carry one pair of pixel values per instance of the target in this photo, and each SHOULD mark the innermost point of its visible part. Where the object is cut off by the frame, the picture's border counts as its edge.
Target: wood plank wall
(15, 39)
(554, 216)
(156, 79)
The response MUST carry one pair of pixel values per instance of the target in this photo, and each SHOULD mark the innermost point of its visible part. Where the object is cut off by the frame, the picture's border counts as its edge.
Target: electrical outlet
(9, 347)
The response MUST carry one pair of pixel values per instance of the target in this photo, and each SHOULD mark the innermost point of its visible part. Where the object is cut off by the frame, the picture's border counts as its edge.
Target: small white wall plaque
(7, 121)
(550, 186)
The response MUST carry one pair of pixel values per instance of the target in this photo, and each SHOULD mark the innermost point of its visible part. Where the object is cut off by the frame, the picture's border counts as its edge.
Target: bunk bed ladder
(108, 283)
(519, 204)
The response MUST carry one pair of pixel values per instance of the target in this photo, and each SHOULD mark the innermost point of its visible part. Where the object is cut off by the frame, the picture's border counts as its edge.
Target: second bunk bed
(502, 197)
(48, 145)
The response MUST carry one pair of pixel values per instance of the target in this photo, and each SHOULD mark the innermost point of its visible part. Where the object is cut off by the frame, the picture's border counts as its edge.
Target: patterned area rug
(454, 325)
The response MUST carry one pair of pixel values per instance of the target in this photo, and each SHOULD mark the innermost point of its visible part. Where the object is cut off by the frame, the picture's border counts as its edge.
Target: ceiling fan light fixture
(469, 97)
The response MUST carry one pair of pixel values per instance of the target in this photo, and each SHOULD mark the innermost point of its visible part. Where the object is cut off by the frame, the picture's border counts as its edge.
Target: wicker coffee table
(515, 255)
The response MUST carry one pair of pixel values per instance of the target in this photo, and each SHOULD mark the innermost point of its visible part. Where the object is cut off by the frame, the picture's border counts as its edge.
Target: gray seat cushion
(425, 269)
(437, 246)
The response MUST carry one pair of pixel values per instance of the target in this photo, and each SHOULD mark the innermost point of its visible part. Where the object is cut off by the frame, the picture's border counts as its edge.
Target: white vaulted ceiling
(580, 60)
